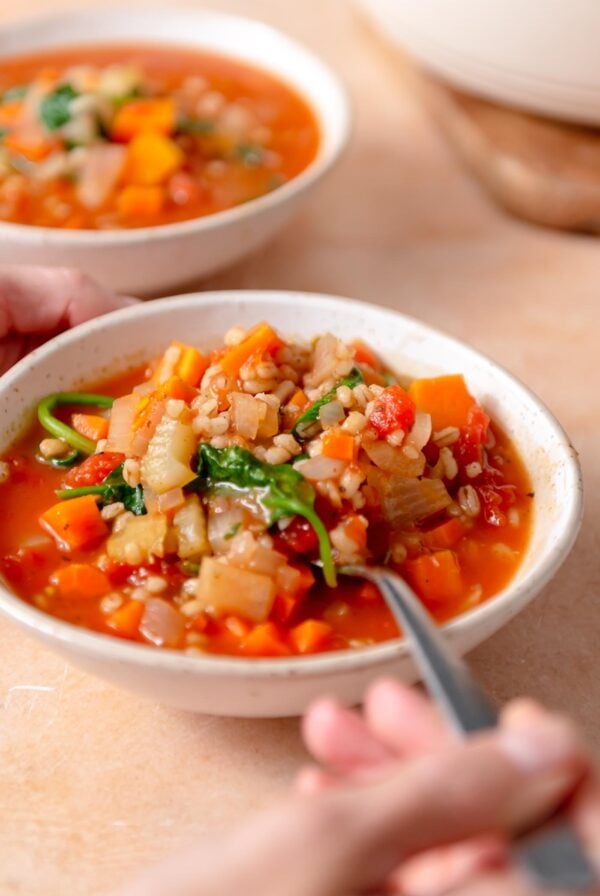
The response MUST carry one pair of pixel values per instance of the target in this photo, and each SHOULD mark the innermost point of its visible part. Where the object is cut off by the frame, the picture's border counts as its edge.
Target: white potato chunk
(189, 524)
(139, 540)
(226, 589)
(166, 463)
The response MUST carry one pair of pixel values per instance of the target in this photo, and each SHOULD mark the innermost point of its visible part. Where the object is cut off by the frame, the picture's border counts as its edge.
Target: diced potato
(269, 425)
(225, 589)
(140, 539)
(247, 553)
(189, 524)
(166, 463)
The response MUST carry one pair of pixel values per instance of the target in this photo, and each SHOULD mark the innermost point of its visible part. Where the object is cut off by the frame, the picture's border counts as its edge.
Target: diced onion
(393, 460)
(421, 430)
(319, 467)
(100, 173)
(161, 623)
(141, 436)
(223, 523)
(121, 424)
(331, 413)
(247, 414)
(171, 500)
(190, 526)
(406, 501)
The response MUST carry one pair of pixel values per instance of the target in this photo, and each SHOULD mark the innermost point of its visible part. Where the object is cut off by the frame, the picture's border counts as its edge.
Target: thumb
(502, 782)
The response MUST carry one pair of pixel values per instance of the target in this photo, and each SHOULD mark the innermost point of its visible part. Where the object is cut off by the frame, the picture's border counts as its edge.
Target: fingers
(44, 300)
(403, 719)
(444, 870)
(340, 738)
(503, 782)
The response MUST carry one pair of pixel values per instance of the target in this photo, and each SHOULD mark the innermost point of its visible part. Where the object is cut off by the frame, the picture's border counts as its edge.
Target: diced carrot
(446, 398)
(125, 621)
(92, 426)
(265, 640)
(339, 444)
(143, 115)
(445, 535)
(80, 581)
(33, 148)
(310, 636)
(10, 112)
(260, 339)
(299, 400)
(75, 523)
(355, 527)
(436, 577)
(192, 364)
(140, 200)
(151, 159)
(189, 367)
(175, 387)
(364, 354)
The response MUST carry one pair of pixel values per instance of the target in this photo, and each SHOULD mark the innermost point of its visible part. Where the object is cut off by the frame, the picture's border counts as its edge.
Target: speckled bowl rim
(314, 171)
(115, 650)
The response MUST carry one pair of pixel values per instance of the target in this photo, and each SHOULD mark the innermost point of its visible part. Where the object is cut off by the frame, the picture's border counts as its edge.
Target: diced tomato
(22, 569)
(299, 537)
(94, 469)
(495, 501)
(469, 447)
(394, 409)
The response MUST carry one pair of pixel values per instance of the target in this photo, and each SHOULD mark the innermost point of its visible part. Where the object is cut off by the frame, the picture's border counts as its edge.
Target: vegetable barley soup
(132, 136)
(183, 506)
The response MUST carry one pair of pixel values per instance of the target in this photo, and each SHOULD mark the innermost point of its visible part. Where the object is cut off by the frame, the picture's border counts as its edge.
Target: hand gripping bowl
(281, 687)
(153, 260)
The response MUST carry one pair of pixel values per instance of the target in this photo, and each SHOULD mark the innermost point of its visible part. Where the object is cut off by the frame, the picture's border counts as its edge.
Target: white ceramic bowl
(278, 687)
(154, 260)
(541, 55)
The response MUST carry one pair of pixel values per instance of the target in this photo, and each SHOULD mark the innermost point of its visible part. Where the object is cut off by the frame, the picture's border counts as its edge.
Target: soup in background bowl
(152, 147)
(251, 683)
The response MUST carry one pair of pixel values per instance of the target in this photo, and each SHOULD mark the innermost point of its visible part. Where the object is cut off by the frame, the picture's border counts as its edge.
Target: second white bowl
(154, 260)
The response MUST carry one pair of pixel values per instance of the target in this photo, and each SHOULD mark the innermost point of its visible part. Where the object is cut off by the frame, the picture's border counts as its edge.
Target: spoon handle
(551, 856)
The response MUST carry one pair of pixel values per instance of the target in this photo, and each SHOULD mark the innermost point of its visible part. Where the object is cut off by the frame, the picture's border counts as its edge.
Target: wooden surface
(94, 781)
(544, 171)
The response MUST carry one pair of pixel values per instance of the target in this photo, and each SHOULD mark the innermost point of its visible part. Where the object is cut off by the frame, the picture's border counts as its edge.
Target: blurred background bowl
(538, 55)
(154, 260)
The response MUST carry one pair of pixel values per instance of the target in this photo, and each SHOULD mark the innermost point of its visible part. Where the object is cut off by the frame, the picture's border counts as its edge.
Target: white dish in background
(539, 55)
(154, 260)
(280, 687)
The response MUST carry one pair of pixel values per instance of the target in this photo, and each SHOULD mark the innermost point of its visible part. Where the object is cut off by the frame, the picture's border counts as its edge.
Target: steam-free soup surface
(103, 137)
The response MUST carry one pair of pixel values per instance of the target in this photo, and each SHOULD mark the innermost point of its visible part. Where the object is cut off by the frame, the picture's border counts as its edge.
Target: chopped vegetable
(189, 367)
(261, 339)
(166, 463)
(90, 426)
(393, 410)
(137, 200)
(283, 490)
(151, 159)
(364, 354)
(61, 430)
(93, 470)
(339, 444)
(161, 624)
(80, 581)
(74, 524)
(446, 535)
(55, 107)
(125, 621)
(265, 640)
(224, 589)
(436, 577)
(407, 501)
(189, 524)
(147, 535)
(310, 636)
(445, 398)
(307, 425)
(113, 488)
(141, 116)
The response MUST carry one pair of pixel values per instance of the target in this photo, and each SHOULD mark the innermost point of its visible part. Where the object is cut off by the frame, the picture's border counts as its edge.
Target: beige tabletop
(94, 781)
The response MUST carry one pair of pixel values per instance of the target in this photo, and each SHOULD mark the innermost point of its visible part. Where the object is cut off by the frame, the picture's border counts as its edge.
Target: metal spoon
(552, 856)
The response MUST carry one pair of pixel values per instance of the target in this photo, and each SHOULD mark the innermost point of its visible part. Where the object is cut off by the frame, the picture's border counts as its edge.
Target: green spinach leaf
(307, 425)
(55, 108)
(283, 491)
(112, 489)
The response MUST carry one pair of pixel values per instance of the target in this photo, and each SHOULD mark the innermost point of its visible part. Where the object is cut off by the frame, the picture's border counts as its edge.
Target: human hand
(363, 823)
(397, 722)
(38, 302)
